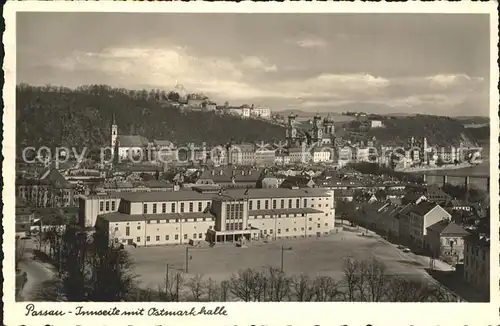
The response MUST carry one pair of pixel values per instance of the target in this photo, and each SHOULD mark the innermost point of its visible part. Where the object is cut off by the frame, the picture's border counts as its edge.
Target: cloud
(254, 62)
(247, 80)
(308, 42)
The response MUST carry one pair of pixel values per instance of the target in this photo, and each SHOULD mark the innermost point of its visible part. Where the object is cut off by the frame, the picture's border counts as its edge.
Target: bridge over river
(457, 177)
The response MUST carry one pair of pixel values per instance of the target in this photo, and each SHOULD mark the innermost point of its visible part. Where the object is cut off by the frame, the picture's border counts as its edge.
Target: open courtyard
(311, 256)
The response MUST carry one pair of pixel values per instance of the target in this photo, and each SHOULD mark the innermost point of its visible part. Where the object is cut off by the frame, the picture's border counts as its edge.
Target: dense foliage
(56, 116)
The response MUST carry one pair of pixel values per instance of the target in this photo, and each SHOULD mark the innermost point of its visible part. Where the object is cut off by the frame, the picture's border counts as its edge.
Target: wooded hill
(439, 130)
(57, 116)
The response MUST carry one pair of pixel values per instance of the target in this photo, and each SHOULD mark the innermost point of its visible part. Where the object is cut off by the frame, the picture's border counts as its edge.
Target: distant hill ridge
(57, 116)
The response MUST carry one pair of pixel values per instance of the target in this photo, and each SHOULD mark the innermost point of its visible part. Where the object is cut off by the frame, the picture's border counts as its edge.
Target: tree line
(82, 117)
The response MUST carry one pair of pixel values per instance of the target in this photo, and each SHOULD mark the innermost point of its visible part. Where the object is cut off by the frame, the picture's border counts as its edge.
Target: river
(481, 169)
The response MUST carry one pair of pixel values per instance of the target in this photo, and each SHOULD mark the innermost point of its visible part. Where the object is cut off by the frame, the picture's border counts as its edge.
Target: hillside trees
(52, 116)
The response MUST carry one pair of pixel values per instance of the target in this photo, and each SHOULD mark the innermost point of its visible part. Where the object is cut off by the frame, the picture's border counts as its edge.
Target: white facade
(376, 124)
(180, 217)
(261, 112)
(361, 154)
(322, 156)
(299, 155)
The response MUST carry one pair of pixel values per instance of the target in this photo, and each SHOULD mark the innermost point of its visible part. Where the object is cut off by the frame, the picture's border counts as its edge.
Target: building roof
(163, 143)
(132, 141)
(423, 208)
(395, 201)
(446, 227)
(412, 196)
(231, 194)
(434, 190)
(153, 184)
(164, 196)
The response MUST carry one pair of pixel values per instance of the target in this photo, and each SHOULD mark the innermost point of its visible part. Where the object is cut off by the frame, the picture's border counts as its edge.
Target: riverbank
(436, 168)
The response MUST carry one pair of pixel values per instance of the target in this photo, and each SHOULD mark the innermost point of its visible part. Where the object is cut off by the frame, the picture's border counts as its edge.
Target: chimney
(176, 187)
(242, 172)
(221, 172)
(213, 172)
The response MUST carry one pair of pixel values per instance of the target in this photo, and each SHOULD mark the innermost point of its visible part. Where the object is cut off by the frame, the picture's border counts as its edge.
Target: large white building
(160, 218)
(261, 112)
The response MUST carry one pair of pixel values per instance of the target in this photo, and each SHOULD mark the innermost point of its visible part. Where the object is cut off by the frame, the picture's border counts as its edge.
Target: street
(37, 272)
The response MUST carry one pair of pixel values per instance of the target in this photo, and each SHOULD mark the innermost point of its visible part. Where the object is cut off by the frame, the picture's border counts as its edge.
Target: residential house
(418, 218)
(446, 241)
(265, 157)
(458, 205)
(272, 181)
(242, 154)
(50, 189)
(435, 194)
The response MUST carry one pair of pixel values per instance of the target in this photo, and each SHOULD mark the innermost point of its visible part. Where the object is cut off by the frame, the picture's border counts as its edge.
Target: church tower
(291, 131)
(317, 131)
(114, 136)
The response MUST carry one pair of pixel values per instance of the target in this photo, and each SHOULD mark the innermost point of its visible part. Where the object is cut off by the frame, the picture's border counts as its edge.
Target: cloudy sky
(437, 64)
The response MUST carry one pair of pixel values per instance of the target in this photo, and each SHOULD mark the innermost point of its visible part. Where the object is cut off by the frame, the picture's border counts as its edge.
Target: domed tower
(317, 131)
(329, 127)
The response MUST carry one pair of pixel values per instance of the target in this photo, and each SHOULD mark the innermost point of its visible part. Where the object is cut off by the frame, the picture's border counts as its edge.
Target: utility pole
(187, 260)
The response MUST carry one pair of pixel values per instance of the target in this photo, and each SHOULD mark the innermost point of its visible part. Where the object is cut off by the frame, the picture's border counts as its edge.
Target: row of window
(234, 211)
(234, 226)
(167, 237)
(107, 203)
(282, 204)
(294, 229)
(127, 229)
(173, 207)
(281, 216)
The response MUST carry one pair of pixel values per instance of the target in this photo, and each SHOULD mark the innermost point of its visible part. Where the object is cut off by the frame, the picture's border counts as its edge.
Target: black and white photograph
(253, 157)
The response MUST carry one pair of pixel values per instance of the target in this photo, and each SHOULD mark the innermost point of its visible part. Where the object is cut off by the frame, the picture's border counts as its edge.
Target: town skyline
(296, 61)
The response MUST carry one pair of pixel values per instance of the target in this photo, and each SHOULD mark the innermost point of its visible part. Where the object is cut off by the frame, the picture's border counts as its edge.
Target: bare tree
(376, 279)
(177, 285)
(351, 278)
(197, 287)
(326, 289)
(278, 284)
(213, 290)
(242, 284)
(259, 286)
(225, 287)
(302, 288)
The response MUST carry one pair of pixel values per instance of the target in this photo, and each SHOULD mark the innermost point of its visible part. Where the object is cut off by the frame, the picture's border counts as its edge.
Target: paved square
(312, 256)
